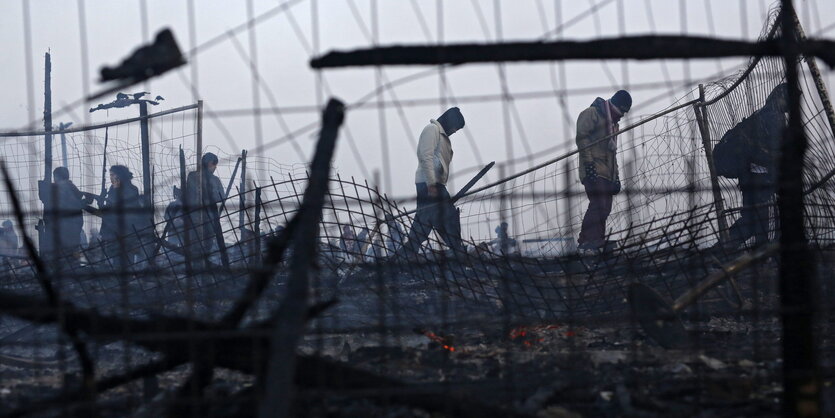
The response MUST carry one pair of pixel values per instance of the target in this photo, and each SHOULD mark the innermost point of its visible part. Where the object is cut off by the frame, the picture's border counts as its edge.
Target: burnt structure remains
(287, 298)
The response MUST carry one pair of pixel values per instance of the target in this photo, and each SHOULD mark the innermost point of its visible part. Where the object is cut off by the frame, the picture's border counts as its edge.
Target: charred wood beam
(289, 323)
(234, 348)
(153, 334)
(276, 248)
(79, 398)
(629, 47)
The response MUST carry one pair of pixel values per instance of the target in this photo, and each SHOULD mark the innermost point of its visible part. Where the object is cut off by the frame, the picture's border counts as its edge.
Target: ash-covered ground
(445, 347)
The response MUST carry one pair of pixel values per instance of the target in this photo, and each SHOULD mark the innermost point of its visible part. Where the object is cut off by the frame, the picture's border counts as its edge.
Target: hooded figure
(205, 217)
(8, 239)
(434, 205)
(63, 220)
(758, 174)
(597, 129)
(122, 210)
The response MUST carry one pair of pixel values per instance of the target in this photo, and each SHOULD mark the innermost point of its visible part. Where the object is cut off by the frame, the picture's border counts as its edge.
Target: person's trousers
(593, 230)
(434, 213)
(757, 191)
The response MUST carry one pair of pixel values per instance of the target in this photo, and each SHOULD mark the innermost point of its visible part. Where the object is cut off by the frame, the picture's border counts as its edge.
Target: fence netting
(520, 320)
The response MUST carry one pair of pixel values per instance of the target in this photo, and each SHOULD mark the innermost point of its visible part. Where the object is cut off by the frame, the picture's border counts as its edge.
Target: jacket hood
(438, 124)
(599, 104)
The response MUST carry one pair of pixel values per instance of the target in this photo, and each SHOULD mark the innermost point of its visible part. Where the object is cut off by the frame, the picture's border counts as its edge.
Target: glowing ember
(444, 342)
(529, 335)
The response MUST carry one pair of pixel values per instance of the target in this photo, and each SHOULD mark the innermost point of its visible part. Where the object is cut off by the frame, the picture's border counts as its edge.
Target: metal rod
(707, 146)
(84, 128)
(198, 145)
(816, 76)
(824, 97)
(64, 158)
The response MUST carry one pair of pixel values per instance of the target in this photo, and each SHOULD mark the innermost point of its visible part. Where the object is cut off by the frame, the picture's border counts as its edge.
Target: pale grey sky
(287, 39)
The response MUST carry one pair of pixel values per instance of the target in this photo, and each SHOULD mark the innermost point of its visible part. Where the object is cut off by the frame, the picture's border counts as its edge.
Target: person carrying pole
(435, 209)
(598, 165)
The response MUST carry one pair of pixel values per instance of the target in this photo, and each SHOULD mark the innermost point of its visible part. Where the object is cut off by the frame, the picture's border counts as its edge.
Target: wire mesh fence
(299, 274)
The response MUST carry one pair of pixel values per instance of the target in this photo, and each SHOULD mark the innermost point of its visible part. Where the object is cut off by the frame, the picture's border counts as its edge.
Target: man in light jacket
(599, 165)
(434, 205)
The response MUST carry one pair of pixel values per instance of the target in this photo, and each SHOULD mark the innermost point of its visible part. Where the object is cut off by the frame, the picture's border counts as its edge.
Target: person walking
(435, 209)
(597, 128)
(757, 157)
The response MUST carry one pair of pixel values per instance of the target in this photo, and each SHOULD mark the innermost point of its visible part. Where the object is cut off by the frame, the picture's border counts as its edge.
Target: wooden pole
(242, 193)
(704, 130)
(47, 119)
(643, 47)
(146, 158)
(46, 244)
(289, 324)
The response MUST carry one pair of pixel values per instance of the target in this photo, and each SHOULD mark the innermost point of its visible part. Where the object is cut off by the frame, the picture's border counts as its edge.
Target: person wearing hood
(758, 169)
(63, 220)
(121, 206)
(9, 243)
(597, 128)
(435, 209)
(124, 218)
(205, 217)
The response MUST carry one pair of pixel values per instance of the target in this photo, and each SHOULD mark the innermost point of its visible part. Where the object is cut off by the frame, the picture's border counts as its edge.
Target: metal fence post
(704, 130)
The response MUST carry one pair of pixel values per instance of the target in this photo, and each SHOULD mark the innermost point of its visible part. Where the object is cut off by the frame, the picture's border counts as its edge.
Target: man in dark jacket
(598, 164)
(63, 220)
(758, 173)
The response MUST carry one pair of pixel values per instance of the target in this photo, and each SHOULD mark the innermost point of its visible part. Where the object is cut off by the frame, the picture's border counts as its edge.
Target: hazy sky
(538, 118)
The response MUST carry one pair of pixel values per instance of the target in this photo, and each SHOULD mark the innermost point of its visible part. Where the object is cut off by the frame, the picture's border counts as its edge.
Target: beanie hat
(622, 100)
(451, 120)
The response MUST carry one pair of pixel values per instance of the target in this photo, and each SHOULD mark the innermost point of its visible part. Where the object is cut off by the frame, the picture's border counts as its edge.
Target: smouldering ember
(529, 335)
(443, 341)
